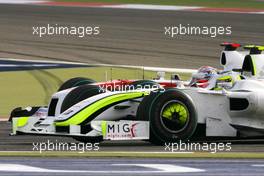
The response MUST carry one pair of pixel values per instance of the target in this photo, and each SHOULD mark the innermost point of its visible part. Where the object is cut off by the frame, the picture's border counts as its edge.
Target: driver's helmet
(203, 75)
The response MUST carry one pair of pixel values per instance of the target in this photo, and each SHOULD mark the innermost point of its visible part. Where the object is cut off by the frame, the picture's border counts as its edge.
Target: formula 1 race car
(230, 105)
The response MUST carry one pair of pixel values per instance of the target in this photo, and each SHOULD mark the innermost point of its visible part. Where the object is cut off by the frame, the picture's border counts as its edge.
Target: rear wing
(230, 46)
(254, 49)
(230, 58)
(254, 62)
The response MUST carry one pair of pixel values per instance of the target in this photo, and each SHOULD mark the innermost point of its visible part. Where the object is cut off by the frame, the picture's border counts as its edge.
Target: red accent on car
(234, 45)
(202, 81)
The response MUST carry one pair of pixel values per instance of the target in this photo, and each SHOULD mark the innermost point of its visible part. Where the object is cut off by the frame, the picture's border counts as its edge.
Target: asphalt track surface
(16, 65)
(115, 166)
(27, 143)
(133, 37)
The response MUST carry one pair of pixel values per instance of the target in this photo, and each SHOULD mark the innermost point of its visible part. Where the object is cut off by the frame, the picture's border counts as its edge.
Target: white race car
(230, 105)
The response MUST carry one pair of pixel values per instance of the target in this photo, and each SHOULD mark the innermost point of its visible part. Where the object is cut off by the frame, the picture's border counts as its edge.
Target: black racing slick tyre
(144, 107)
(172, 117)
(79, 94)
(74, 82)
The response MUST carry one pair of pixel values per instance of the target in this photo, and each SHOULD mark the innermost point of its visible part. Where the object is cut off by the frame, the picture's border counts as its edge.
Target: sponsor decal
(127, 130)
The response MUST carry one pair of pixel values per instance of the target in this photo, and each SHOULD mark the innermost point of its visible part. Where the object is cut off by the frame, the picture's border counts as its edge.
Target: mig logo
(122, 130)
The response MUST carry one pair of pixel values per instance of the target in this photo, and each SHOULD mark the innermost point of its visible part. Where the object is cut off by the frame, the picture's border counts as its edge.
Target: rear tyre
(74, 82)
(172, 117)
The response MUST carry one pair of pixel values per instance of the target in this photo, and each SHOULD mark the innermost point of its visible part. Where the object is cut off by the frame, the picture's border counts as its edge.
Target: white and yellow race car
(231, 105)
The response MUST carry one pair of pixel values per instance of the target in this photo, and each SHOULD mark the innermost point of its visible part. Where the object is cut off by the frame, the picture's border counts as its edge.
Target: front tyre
(79, 94)
(173, 117)
(75, 82)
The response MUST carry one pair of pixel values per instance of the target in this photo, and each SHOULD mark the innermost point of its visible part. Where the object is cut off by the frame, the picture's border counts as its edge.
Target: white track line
(150, 7)
(166, 8)
(257, 165)
(170, 70)
(29, 65)
(21, 1)
(165, 167)
(109, 152)
(42, 61)
(159, 168)
(262, 13)
(127, 6)
(3, 120)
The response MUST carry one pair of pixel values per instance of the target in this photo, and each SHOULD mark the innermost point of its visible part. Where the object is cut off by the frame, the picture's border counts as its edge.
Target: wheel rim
(174, 116)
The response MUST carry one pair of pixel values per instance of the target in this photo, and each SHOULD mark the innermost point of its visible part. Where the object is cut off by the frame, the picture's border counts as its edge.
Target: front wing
(109, 130)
